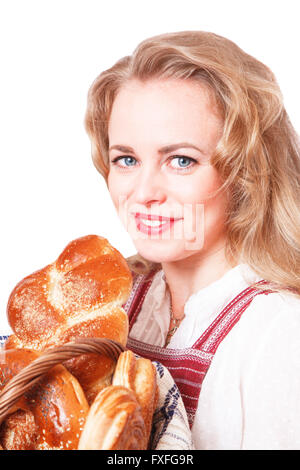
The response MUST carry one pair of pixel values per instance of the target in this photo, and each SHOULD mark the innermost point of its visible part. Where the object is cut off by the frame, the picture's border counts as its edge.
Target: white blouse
(250, 397)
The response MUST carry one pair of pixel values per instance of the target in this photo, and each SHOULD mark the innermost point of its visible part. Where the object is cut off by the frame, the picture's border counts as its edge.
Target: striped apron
(189, 366)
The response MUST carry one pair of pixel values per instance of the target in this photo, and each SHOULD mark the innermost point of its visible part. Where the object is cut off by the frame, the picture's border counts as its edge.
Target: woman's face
(162, 134)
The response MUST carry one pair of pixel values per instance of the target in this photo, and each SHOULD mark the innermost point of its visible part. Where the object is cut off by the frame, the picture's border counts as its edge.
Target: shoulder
(274, 308)
(268, 333)
(264, 346)
(279, 315)
(274, 312)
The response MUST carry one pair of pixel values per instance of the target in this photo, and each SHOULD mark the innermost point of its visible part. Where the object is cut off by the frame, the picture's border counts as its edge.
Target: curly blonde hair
(257, 156)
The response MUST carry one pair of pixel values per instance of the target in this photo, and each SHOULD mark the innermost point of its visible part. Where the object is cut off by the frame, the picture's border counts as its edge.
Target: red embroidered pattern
(189, 366)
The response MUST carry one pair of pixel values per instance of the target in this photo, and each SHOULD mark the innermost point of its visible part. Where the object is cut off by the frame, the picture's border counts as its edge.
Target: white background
(51, 51)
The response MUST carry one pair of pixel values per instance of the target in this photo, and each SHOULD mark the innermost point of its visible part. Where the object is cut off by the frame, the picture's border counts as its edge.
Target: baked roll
(79, 295)
(50, 416)
(114, 422)
(138, 375)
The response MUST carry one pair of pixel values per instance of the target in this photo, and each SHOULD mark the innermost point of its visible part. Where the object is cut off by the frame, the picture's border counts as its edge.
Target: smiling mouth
(156, 218)
(153, 225)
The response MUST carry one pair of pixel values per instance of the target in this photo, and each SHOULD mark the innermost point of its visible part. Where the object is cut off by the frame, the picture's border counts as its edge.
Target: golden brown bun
(51, 415)
(114, 422)
(79, 295)
(138, 375)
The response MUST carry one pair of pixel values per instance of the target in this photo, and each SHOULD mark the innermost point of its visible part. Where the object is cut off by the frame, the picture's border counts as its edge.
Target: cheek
(206, 202)
(215, 211)
(119, 191)
(202, 188)
(114, 188)
(216, 205)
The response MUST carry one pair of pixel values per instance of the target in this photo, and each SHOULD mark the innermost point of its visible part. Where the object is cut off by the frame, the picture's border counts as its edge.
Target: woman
(202, 164)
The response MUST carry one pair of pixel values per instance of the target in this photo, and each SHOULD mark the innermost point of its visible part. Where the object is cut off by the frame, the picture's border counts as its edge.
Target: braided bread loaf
(79, 295)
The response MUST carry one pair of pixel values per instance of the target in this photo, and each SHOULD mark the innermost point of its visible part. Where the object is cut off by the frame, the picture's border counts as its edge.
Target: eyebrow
(162, 150)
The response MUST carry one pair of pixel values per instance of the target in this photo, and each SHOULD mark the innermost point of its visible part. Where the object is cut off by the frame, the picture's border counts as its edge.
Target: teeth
(153, 223)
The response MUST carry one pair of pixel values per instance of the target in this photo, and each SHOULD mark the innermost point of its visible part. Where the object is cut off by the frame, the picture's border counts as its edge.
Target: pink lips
(166, 223)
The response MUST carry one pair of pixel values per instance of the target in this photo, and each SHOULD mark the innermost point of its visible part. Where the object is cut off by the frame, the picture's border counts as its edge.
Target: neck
(187, 276)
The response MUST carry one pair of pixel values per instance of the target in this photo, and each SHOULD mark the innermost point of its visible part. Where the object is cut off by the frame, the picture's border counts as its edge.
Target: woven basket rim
(31, 374)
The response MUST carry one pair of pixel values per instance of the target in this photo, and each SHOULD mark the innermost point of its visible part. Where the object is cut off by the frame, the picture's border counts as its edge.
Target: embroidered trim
(189, 366)
(230, 315)
(188, 369)
(183, 395)
(3, 338)
(135, 286)
(168, 352)
(189, 382)
(140, 287)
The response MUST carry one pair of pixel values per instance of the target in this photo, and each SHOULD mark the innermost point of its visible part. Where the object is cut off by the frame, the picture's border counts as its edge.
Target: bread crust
(138, 375)
(79, 295)
(50, 416)
(114, 422)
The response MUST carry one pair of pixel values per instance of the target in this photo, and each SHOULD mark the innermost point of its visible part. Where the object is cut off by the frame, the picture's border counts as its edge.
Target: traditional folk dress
(206, 335)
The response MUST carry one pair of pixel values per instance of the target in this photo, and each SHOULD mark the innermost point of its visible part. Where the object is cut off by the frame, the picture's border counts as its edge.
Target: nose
(149, 188)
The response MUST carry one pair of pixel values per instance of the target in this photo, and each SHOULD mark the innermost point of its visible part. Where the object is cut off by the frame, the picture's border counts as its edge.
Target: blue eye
(129, 159)
(185, 163)
(182, 159)
(125, 159)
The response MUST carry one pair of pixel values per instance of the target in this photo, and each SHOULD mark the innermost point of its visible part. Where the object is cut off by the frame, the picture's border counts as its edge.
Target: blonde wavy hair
(257, 156)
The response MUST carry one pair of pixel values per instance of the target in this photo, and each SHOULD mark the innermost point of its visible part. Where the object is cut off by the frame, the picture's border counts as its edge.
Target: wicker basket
(31, 374)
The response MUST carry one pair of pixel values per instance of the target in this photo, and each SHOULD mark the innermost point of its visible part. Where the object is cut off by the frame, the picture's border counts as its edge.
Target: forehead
(189, 92)
(163, 105)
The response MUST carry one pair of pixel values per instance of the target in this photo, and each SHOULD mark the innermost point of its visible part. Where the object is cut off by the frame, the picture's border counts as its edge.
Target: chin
(162, 252)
